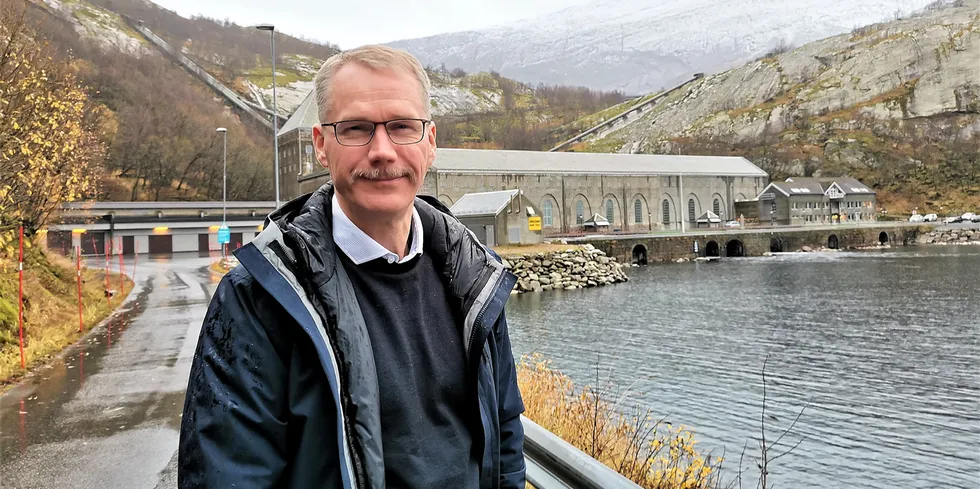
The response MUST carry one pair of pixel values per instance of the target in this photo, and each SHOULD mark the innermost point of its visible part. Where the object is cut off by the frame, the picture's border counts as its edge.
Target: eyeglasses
(360, 133)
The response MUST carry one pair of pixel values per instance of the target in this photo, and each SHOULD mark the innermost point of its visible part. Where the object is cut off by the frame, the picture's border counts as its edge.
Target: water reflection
(884, 343)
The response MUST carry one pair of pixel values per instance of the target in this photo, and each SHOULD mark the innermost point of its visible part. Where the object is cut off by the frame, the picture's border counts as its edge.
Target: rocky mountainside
(240, 56)
(896, 104)
(638, 46)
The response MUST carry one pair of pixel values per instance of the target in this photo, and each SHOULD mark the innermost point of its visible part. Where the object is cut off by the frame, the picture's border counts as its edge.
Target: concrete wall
(565, 192)
(478, 226)
(294, 161)
(669, 248)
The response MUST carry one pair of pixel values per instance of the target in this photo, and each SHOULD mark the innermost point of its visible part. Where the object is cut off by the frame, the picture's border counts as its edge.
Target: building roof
(709, 217)
(800, 186)
(483, 203)
(852, 186)
(537, 162)
(596, 220)
(797, 186)
(305, 116)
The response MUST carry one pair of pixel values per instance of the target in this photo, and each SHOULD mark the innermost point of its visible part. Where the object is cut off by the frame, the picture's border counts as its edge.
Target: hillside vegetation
(896, 105)
(159, 127)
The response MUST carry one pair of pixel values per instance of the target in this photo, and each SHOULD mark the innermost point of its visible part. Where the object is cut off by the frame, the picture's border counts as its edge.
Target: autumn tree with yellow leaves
(51, 134)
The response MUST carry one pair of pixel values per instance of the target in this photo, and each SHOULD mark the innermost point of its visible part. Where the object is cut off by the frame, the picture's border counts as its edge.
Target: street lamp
(224, 188)
(275, 111)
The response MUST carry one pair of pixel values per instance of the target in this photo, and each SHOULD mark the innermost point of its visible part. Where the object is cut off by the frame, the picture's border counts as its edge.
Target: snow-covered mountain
(640, 46)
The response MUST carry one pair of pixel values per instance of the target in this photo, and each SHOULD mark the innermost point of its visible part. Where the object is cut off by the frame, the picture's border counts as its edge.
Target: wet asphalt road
(106, 414)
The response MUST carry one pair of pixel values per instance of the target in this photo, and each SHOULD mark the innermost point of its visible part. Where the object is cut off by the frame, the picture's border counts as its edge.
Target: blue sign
(224, 234)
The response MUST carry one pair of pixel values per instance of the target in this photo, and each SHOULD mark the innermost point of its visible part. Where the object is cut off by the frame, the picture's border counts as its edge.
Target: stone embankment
(570, 269)
(952, 236)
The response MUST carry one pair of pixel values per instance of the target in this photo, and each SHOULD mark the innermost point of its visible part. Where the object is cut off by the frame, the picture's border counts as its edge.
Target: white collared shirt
(361, 248)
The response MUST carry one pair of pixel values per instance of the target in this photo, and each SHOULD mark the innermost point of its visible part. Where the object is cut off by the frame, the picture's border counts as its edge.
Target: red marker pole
(78, 273)
(108, 302)
(20, 301)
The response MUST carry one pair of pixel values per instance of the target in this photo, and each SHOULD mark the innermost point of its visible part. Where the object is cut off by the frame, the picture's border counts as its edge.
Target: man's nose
(381, 148)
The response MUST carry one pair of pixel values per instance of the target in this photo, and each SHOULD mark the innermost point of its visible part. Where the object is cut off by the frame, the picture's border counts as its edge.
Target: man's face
(380, 177)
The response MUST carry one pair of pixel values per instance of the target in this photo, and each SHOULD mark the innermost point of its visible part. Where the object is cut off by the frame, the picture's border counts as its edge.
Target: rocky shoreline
(570, 269)
(952, 236)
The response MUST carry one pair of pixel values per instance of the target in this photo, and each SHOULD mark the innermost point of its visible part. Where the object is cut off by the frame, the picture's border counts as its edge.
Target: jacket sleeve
(511, 406)
(231, 434)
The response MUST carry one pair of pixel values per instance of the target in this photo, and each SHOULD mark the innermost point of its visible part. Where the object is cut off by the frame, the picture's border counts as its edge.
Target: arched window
(666, 211)
(638, 211)
(547, 210)
(690, 211)
(609, 210)
(717, 207)
(579, 212)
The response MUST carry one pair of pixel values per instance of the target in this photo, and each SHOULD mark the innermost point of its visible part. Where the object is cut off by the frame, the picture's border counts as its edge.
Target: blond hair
(374, 56)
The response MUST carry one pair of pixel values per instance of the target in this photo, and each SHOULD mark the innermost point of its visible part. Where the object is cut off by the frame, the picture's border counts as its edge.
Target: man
(362, 342)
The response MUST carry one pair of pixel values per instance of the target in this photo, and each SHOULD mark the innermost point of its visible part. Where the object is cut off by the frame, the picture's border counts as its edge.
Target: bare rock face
(922, 66)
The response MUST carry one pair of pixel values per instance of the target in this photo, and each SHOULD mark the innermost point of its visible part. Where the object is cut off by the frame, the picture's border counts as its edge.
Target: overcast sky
(353, 23)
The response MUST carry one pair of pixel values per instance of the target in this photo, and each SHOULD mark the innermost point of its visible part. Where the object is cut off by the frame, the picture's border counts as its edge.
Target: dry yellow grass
(50, 308)
(651, 453)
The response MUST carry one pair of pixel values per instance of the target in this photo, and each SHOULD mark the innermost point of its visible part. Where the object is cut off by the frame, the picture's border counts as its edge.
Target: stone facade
(296, 158)
(952, 236)
(753, 243)
(637, 203)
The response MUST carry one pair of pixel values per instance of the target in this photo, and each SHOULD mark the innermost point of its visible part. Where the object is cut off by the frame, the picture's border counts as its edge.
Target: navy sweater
(428, 409)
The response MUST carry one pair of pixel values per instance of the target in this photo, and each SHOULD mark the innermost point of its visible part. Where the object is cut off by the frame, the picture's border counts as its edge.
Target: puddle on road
(32, 412)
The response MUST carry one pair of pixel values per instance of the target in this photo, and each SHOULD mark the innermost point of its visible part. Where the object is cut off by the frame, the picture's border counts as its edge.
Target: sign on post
(224, 234)
(534, 223)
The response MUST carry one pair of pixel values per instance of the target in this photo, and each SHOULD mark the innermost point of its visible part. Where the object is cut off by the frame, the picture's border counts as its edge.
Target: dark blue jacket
(283, 390)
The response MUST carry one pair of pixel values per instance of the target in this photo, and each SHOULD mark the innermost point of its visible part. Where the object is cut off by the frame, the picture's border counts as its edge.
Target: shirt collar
(361, 248)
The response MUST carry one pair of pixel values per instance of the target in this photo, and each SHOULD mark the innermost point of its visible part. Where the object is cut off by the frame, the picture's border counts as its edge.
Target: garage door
(203, 240)
(161, 244)
(129, 245)
(93, 243)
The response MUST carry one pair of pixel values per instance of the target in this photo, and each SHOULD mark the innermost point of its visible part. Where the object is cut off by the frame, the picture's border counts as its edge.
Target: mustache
(384, 173)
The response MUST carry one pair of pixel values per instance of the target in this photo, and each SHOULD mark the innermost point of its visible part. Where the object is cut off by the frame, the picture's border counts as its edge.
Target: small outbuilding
(503, 217)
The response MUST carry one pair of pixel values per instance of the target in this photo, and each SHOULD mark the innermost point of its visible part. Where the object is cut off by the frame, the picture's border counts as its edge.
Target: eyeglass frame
(375, 130)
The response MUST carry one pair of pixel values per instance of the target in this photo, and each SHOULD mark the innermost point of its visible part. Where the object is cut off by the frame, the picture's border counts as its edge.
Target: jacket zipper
(479, 316)
(484, 355)
(356, 462)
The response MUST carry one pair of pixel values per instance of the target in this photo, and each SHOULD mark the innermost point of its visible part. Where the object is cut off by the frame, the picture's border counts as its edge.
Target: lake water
(885, 345)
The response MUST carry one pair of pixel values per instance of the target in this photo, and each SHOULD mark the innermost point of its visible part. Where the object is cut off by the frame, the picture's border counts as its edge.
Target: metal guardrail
(553, 463)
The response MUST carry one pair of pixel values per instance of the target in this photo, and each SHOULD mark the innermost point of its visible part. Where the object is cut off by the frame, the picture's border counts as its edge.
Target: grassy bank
(50, 308)
(651, 453)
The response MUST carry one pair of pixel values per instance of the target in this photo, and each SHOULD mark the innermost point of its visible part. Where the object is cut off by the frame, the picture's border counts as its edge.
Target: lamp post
(224, 188)
(275, 111)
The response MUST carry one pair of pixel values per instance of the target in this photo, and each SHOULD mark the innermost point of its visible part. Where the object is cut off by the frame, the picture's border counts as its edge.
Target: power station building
(634, 192)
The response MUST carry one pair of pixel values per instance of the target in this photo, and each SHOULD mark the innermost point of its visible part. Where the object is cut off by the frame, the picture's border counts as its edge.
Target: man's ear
(320, 145)
(432, 143)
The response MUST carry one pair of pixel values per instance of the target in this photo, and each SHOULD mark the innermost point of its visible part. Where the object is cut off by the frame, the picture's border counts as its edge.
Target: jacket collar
(476, 279)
